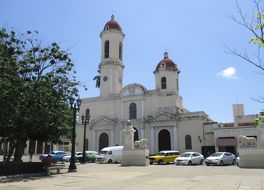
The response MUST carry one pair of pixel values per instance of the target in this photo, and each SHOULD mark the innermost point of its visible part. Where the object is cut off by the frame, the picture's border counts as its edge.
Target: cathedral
(157, 114)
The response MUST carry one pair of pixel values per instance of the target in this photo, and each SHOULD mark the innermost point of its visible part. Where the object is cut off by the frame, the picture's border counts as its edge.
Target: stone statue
(129, 136)
(134, 154)
(247, 141)
(141, 144)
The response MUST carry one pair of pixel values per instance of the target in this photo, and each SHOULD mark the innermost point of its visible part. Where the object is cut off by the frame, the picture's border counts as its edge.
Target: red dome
(112, 25)
(166, 63)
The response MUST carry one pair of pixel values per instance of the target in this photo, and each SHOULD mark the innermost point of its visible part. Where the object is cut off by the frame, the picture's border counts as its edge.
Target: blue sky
(193, 32)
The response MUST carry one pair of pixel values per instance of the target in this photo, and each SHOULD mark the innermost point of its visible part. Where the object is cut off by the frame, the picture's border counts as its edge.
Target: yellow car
(165, 156)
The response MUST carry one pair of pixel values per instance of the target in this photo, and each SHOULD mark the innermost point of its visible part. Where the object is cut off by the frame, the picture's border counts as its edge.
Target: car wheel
(207, 164)
(234, 162)
(190, 163)
(221, 163)
(160, 161)
(201, 162)
(110, 161)
(150, 163)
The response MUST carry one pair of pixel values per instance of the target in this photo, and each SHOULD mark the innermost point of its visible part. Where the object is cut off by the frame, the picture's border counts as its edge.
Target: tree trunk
(20, 146)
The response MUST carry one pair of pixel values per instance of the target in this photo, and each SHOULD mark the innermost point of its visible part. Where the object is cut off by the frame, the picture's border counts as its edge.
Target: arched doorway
(164, 140)
(135, 134)
(103, 141)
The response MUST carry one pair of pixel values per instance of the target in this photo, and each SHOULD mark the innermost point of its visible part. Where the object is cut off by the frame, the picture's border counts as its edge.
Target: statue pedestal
(135, 157)
(251, 157)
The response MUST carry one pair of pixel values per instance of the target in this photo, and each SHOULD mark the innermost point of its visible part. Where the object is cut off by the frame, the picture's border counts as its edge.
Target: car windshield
(162, 153)
(103, 152)
(185, 155)
(217, 154)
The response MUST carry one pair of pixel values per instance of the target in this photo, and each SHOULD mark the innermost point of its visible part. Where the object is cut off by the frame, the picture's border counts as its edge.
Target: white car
(68, 158)
(220, 158)
(189, 158)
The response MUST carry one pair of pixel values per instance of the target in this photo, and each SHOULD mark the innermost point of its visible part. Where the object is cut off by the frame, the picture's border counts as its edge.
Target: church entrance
(103, 141)
(164, 140)
(135, 134)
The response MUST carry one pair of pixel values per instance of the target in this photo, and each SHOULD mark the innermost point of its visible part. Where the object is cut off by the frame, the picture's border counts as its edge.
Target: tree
(260, 119)
(36, 82)
(97, 79)
(255, 25)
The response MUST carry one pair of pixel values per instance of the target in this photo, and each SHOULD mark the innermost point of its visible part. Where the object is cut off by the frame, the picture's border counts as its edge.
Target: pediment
(102, 121)
(162, 116)
(133, 89)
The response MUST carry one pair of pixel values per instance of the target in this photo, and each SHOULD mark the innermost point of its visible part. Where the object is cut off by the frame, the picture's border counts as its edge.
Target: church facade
(157, 115)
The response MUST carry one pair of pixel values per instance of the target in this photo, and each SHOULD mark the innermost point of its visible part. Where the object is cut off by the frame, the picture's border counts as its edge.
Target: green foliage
(36, 82)
(97, 79)
(260, 120)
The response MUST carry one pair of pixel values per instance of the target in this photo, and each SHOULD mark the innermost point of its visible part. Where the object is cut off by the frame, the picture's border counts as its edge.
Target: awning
(226, 142)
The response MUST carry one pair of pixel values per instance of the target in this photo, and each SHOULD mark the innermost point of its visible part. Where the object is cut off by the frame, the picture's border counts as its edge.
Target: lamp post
(85, 121)
(75, 106)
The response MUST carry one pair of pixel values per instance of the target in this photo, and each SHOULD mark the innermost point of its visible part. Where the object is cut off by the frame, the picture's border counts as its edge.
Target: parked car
(90, 156)
(67, 158)
(55, 155)
(189, 158)
(165, 156)
(237, 161)
(110, 155)
(220, 158)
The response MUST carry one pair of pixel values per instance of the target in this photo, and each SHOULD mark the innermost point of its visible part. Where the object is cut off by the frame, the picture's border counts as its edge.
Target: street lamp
(75, 106)
(85, 121)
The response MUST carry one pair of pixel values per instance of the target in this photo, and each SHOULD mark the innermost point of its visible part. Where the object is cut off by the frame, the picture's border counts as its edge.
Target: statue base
(251, 157)
(135, 157)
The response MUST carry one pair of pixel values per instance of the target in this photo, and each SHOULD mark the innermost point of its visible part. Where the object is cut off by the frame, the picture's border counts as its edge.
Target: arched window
(163, 83)
(87, 112)
(106, 49)
(120, 51)
(188, 142)
(133, 111)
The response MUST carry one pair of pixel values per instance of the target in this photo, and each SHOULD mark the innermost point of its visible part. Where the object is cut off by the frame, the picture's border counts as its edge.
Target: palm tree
(97, 79)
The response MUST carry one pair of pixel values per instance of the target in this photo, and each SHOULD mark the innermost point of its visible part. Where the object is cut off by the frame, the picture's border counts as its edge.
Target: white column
(175, 138)
(112, 138)
(93, 141)
(122, 115)
(152, 140)
(121, 140)
(111, 81)
(142, 116)
(26, 148)
(142, 132)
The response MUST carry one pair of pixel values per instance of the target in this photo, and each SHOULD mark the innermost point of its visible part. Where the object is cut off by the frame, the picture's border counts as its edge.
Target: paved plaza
(155, 177)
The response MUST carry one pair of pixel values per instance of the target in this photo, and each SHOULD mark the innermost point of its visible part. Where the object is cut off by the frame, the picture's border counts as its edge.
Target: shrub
(13, 168)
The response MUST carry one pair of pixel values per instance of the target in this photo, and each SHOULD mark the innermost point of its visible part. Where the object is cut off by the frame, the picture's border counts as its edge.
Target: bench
(58, 166)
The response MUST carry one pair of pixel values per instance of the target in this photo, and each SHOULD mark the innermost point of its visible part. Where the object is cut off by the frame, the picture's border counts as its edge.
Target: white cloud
(229, 72)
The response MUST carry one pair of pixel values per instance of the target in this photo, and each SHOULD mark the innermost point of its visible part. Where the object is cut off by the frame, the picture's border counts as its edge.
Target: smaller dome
(112, 25)
(166, 63)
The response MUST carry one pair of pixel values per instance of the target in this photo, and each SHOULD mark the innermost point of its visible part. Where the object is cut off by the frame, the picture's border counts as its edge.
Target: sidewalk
(154, 177)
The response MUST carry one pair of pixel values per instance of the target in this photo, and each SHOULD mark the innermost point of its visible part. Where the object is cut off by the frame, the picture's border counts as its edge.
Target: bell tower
(167, 75)
(111, 66)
